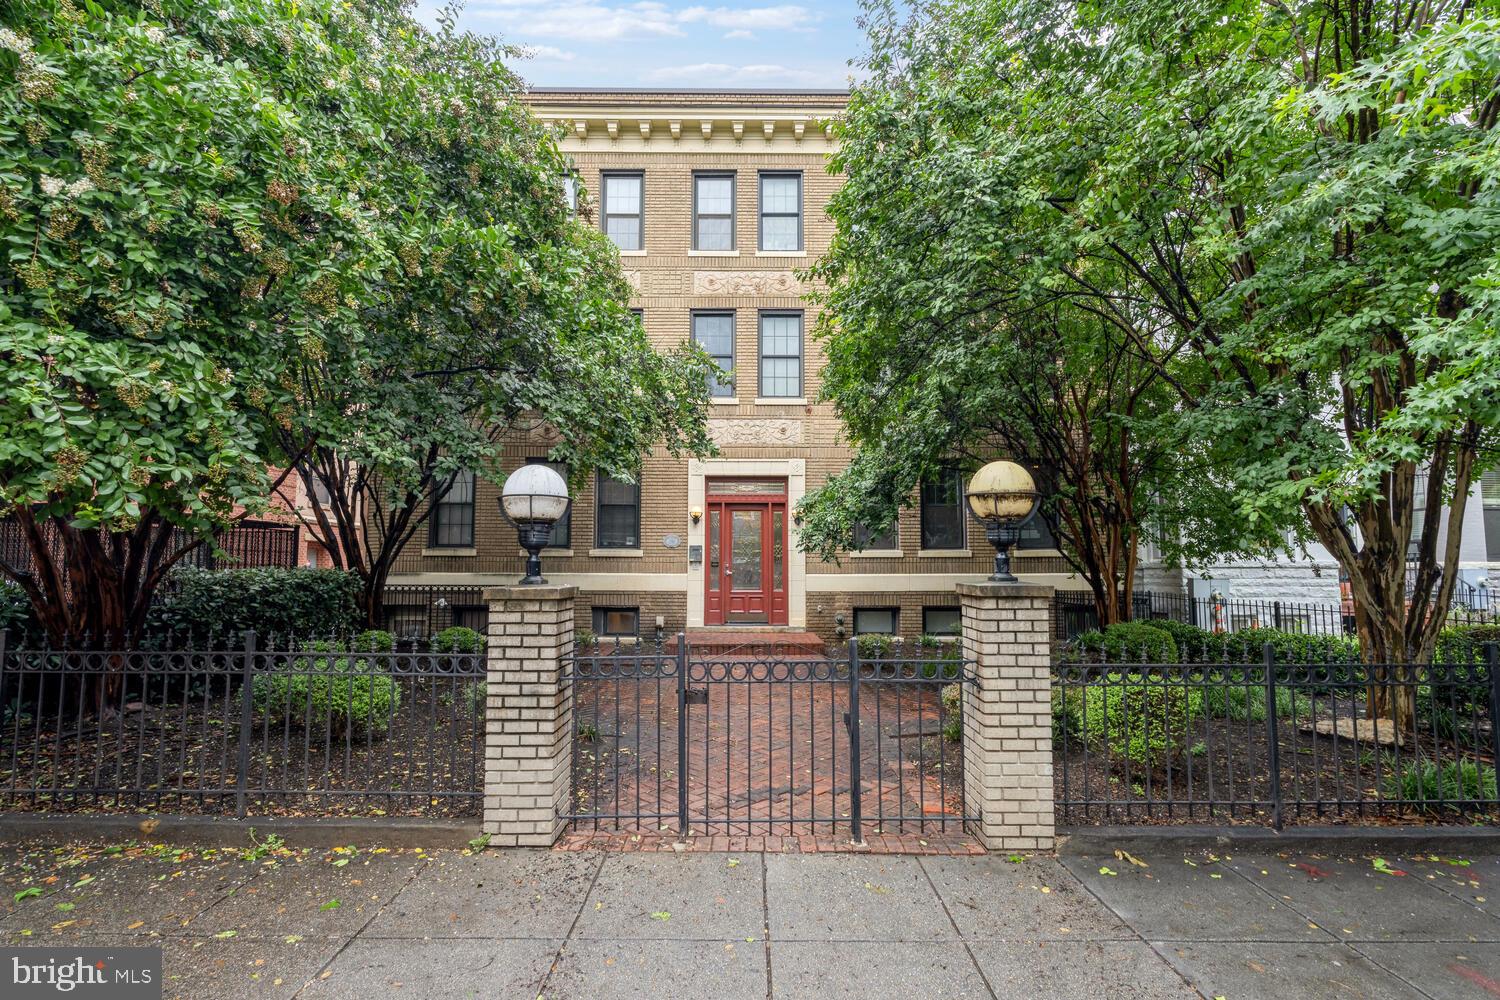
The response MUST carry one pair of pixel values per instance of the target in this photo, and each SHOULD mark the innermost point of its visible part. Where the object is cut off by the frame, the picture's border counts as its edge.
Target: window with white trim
(781, 355)
(625, 209)
(781, 211)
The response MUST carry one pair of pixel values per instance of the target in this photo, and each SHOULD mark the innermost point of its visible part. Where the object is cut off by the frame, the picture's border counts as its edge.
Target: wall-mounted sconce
(797, 518)
(696, 514)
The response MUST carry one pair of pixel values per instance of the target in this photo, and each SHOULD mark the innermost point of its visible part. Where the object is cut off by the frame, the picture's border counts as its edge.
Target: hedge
(15, 611)
(279, 602)
(1125, 642)
(347, 691)
(1143, 720)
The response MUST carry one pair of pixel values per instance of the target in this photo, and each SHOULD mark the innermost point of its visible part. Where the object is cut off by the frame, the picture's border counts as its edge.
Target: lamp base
(534, 537)
(1002, 537)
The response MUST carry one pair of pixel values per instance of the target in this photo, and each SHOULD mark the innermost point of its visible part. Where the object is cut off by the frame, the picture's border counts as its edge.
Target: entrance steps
(732, 641)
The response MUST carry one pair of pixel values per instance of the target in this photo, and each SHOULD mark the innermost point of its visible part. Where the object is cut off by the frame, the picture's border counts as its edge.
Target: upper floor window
(943, 512)
(714, 332)
(781, 355)
(624, 209)
(451, 525)
(562, 531)
(713, 211)
(781, 212)
(570, 191)
(618, 520)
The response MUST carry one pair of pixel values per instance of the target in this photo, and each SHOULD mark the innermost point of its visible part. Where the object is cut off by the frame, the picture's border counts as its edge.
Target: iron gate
(766, 740)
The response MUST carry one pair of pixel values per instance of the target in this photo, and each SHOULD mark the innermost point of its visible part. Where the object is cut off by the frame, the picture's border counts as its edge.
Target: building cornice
(639, 119)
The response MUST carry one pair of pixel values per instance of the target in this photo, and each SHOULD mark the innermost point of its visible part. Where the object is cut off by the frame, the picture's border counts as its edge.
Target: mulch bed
(184, 758)
(1226, 776)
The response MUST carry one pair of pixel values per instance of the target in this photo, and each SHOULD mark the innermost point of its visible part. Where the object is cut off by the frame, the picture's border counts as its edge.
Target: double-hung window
(451, 525)
(714, 332)
(618, 517)
(713, 211)
(781, 354)
(885, 540)
(943, 512)
(781, 211)
(625, 209)
(562, 531)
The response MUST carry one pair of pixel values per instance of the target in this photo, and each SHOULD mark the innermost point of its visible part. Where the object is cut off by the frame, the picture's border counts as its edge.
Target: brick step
(751, 643)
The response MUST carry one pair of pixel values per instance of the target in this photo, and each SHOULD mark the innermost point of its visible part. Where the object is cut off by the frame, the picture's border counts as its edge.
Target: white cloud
(599, 20)
(710, 74)
(740, 33)
(548, 53)
(781, 17)
(577, 20)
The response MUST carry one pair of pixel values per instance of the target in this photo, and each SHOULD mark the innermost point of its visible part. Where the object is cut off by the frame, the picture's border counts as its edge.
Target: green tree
(205, 210)
(1287, 210)
(487, 330)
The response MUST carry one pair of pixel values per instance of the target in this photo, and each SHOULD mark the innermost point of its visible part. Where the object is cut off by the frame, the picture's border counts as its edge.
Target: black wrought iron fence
(256, 727)
(1275, 741)
(1074, 613)
(767, 740)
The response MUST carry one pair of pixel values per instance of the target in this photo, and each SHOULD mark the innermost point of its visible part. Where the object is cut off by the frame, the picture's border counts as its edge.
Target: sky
(661, 43)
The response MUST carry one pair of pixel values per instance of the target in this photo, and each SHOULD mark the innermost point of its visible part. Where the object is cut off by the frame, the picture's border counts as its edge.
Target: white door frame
(794, 470)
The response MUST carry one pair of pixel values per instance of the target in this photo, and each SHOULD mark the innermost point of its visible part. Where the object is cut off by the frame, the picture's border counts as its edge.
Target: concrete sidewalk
(524, 924)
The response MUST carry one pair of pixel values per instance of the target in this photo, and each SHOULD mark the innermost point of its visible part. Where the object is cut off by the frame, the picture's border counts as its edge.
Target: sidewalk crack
(541, 990)
(973, 959)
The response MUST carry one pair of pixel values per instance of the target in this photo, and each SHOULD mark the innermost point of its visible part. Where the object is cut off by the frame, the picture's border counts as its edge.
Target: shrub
(1428, 781)
(1067, 712)
(873, 646)
(1242, 703)
(1194, 644)
(1465, 645)
(1142, 720)
(374, 641)
(474, 693)
(953, 712)
(344, 691)
(585, 638)
(1126, 642)
(15, 611)
(280, 602)
(1248, 646)
(937, 660)
(458, 639)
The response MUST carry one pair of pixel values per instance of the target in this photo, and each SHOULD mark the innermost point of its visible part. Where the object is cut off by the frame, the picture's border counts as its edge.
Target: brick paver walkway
(767, 758)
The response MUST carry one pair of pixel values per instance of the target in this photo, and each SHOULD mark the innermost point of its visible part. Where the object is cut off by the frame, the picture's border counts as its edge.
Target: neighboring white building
(1314, 578)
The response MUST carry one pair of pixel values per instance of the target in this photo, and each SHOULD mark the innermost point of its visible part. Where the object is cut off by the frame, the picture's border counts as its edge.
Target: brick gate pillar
(1008, 713)
(528, 715)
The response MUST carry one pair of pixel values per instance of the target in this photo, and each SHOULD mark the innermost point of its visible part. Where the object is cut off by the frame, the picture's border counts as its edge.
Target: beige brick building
(716, 200)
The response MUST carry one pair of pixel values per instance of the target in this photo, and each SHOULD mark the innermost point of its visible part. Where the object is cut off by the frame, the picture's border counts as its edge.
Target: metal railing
(766, 740)
(415, 611)
(1074, 613)
(246, 544)
(1275, 741)
(255, 727)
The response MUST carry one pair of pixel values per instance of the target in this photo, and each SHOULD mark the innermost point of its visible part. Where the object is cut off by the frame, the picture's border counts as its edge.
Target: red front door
(746, 573)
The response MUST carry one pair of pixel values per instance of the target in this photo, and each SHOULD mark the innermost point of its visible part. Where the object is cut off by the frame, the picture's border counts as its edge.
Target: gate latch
(696, 696)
